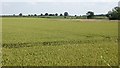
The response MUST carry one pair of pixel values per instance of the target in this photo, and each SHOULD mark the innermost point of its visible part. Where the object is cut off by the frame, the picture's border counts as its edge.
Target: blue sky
(74, 7)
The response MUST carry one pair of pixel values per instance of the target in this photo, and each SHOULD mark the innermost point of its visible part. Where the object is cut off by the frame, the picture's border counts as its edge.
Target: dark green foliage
(46, 14)
(41, 14)
(66, 14)
(114, 14)
(51, 15)
(20, 14)
(35, 14)
(61, 15)
(56, 14)
(90, 14)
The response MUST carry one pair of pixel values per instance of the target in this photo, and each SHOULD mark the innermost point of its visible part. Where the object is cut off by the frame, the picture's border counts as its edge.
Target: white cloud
(60, 0)
(119, 3)
(32, 3)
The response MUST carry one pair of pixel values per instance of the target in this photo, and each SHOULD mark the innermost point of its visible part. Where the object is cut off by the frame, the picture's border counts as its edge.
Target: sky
(59, 0)
(73, 7)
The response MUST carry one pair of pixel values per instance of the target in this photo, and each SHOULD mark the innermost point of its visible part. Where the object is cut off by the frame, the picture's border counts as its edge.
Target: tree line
(47, 14)
(114, 14)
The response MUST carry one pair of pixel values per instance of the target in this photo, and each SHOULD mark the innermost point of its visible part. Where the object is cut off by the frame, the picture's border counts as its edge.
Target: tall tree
(61, 15)
(114, 14)
(35, 14)
(46, 14)
(66, 14)
(41, 14)
(56, 14)
(90, 14)
(20, 14)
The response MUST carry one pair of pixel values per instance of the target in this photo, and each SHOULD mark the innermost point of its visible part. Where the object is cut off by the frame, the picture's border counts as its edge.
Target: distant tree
(65, 14)
(100, 15)
(90, 14)
(35, 14)
(61, 15)
(114, 14)
(76, 16)
(20, 14)
(29, 15)
(13, 14)
(56, 14)
(41, 14)
(51, 14)
(46, 14)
